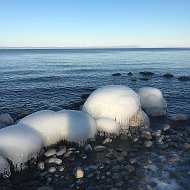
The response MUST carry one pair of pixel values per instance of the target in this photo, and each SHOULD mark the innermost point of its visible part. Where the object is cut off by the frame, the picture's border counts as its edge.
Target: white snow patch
(107, 125)
(19, 144)
(152, 101)
(116, 102)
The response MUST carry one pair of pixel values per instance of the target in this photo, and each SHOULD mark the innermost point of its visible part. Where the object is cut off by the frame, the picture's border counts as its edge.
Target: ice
(4, 167)
(70, 125)
(116, 102)
(152, 101)
(19, 144)
(107, 125)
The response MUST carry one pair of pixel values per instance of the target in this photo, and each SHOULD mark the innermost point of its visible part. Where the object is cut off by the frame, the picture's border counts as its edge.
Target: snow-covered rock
(4, 167)
(152, 101)
(116, 102)
(70, 125)
(5, 120)
(107, 125)
(19, 144)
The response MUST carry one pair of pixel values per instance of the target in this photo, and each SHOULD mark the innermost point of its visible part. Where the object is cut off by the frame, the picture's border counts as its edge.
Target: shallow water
(34, 79)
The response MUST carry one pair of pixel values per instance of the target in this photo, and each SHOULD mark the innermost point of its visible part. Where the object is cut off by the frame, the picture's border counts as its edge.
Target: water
(34, 79)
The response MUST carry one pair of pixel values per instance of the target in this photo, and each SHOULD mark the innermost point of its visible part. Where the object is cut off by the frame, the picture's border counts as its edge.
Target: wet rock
(116, 168)
(41, 165)
(54, 161)
(129, 168)
(116, 74)
(146, 73)
(120, 158)
(133, 161)
(99, 148)
(51, 169)
(148, 144)
(107, 140)
(23, 114)
(79, 173)
(178, 117)
(88, 148)
(157, 133)
(186, 145)
(83, 156)
(60, 168)
(130, 73)
(168, 75)
(184, 78)
(50, 152)
(85, 96)
(61, 151)
(146, 135)
(5, 120)
(60, 185)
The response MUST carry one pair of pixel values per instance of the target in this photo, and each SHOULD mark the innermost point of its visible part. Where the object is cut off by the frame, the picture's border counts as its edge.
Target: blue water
(34, 79)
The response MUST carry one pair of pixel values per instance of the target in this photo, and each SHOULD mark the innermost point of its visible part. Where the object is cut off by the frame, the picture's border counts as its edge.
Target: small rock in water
(50, 152)
(107, 140)
(99, 148)
(116, 74)
(146, 73)
(88, 148)
(184, 78)
(54, 161)
(51, 169)
(5, 120)
(179, 117)
(148, 144)
(168, 75)
(79, 173)
(130, 73)
(129, 168)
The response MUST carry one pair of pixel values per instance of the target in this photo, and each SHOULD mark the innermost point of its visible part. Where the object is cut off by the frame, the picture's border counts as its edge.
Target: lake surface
(35, 79)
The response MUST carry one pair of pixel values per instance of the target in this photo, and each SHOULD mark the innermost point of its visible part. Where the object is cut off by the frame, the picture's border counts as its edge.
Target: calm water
(40, 79)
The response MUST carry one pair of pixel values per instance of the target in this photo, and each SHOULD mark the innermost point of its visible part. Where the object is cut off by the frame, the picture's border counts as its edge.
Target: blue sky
(94, 23)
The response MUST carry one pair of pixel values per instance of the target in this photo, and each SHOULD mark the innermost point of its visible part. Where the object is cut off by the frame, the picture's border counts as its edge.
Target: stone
(79, 173)
(178, 117)
(54, 161)
(116, 176)
(50, 152)
(61, 151)
(99, 148)
(6, 120)
(146, 73)
(146, 135)
(23, 114)
(168, 75)
(107, 140)
(133, 161)
(51, 169)
(129, 168)
(41, 165)
(184, 78)
(88, 148)
(148, 144)
(116, 168)
(186, 145)
(116, 74)
(130, 73)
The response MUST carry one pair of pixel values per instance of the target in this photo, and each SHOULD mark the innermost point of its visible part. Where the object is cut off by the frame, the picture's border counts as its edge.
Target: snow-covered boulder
(4, 167)
(5, 120)
(116, 102)
(107, 125)
(19, 144)
(152, 101)
(74, 126)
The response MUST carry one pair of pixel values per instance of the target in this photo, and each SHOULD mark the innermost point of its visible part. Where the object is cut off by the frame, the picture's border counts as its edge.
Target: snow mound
(77, 126)
(107, 125)
(152, 101)
(73, 126)
(19, 144)
(4, 167)
(116, 102)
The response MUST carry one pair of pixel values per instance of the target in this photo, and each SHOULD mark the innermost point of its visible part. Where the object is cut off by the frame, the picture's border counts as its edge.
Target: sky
(94, 23)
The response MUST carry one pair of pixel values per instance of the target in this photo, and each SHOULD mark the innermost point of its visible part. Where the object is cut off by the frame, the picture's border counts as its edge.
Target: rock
(5, 120)
(85, 96)
(116, 176)
(116, 74)
(184, 78)
(99, 148)
(178, 117)
(23, 114)
(88, 148)
(166, 127)
(51, 169)
(133, 161)
(157, 133)
(79, 173)
(107, 140)
(60, 168)
(61, 151)
(41, 165)
(119, 184)
(148, 144)
(50, 152)
(186, 145)
(146, 135)
(116, 168)
(54, 161)
(120, 158)
(168, 75)
(145, 79)
(129, 168)
(130, 73)
(146, 73)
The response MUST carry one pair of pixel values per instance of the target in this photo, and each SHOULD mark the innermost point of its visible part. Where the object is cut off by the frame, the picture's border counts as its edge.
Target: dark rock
(167, 75)
(130, 73)
(84, 96)
(116, 168)
(116, 74)
(184, 78)
(144, 79)
(146, 73)
(23, 114)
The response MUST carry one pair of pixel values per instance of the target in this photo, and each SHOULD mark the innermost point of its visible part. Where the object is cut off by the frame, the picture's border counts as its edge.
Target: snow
(152, 101)
(70, 125)
(116, 102)
(19, 144)
(4, 167)
(107, 125)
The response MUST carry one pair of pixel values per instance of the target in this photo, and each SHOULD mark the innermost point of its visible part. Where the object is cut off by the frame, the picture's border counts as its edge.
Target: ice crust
(116, 102)
(152, 101)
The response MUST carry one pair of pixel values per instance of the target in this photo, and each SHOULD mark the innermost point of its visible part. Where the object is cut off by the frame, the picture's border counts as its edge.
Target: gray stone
(79, 173)
(50, 152)
(148, 144)
(88, 148)
(99, 148)
(54, 161)
(5, 120)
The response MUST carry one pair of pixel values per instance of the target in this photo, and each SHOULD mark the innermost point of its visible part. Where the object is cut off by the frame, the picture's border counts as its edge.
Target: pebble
(51, 169)
(50, 152)
(54, 161)
(88, 148)
(148, 144)
(116, 74)
(60, 168)
(61, 151)
(99, 148)
(166, 127)
(168, 75)
(5, 120)
(79, 173)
